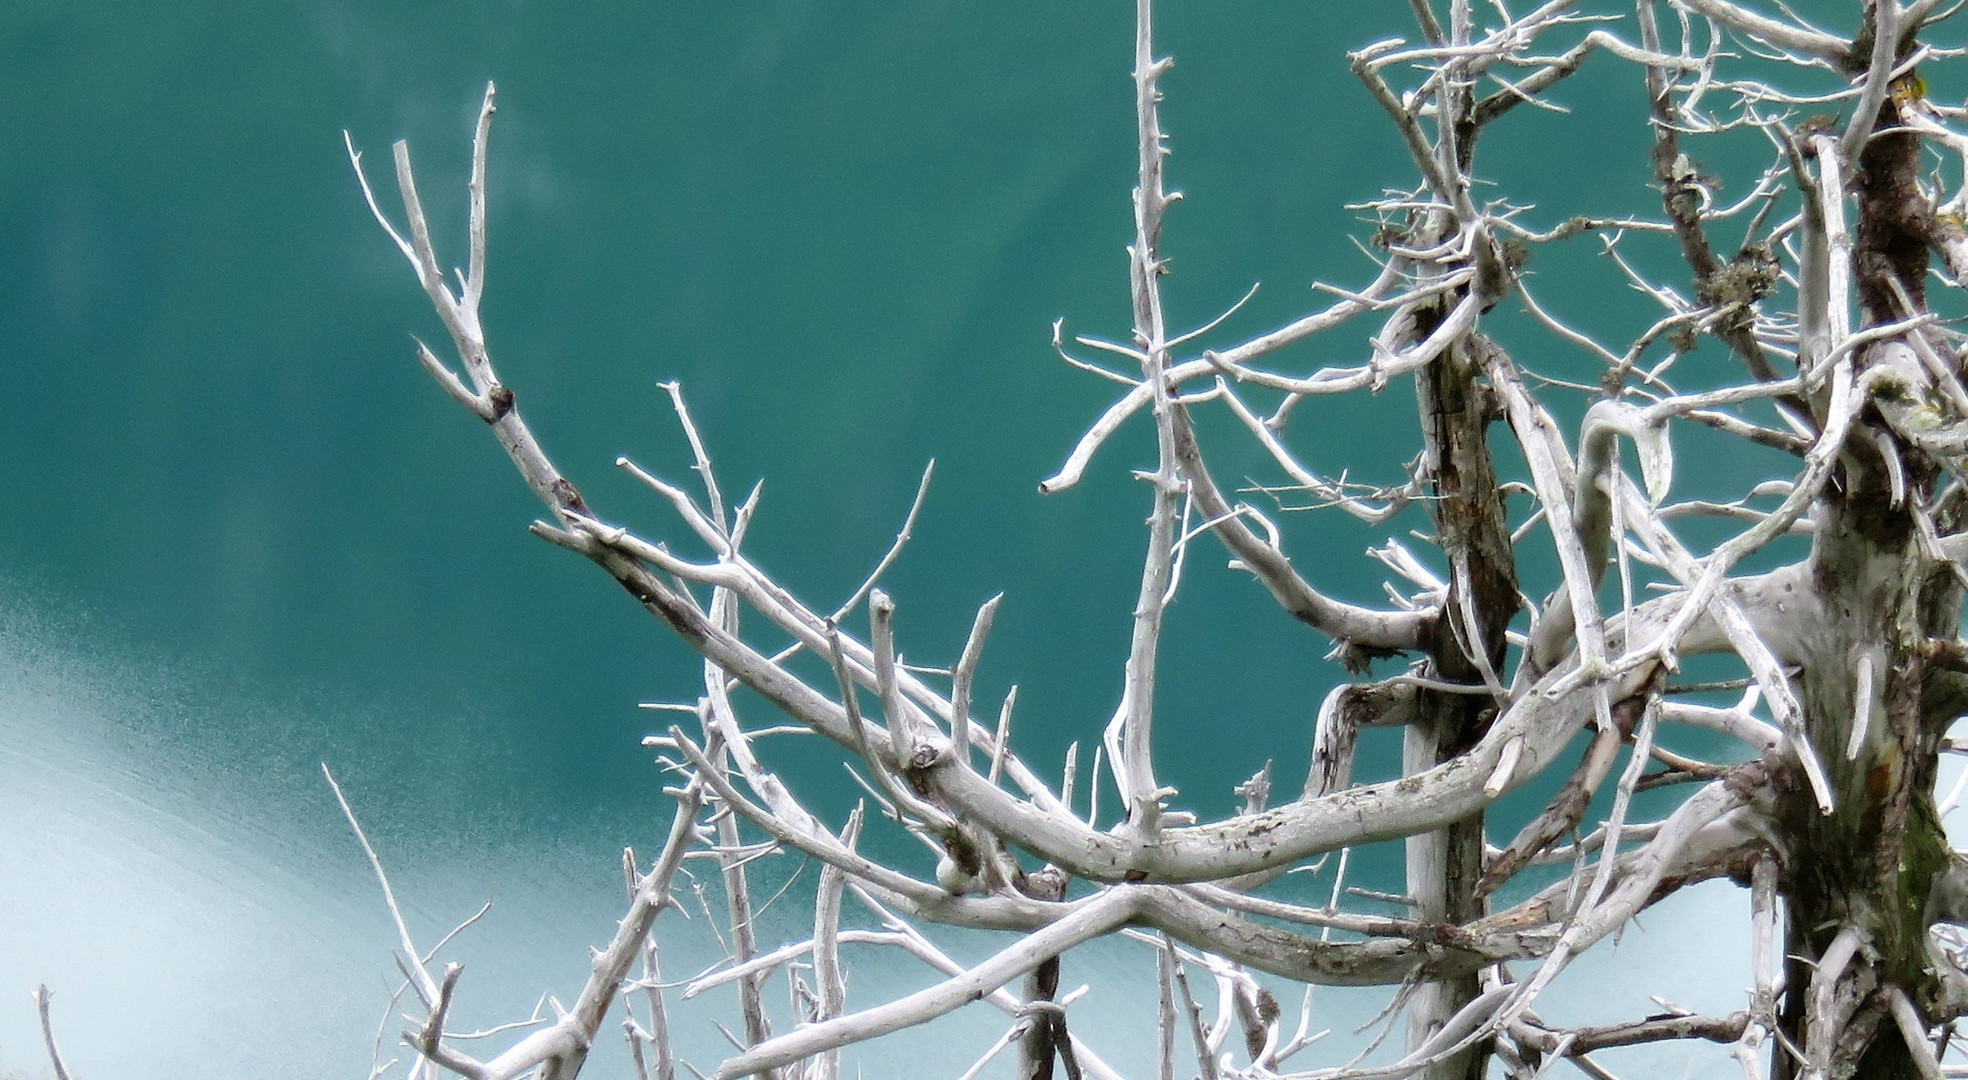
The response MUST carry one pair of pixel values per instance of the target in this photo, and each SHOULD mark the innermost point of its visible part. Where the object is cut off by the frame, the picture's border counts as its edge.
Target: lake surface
(244, 536)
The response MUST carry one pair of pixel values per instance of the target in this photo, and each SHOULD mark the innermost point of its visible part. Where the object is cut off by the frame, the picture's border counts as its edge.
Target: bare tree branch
(1837, 587)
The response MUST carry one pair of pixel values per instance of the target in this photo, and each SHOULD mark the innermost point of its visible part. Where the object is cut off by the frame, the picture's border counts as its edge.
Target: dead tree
(1814, 281)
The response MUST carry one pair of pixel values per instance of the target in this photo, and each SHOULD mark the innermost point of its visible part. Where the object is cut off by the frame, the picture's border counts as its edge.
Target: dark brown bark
(1456, 412)
(1046, 1038)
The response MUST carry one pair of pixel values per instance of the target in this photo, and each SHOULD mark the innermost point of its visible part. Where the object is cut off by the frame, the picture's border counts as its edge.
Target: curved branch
(1092, 917)
(1783, 35)
(1544, 719)
(1364, 627)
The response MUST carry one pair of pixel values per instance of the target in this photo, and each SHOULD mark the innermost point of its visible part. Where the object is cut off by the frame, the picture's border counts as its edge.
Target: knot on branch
(569, 496)
(501, 399)
(1752, 275)
(1357, 659)
(1755, 782)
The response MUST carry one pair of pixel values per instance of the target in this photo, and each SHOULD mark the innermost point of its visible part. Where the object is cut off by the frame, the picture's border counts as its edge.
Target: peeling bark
(1867, 869)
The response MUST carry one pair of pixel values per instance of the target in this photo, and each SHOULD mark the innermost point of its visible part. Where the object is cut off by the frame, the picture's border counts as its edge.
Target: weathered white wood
(1842, 671)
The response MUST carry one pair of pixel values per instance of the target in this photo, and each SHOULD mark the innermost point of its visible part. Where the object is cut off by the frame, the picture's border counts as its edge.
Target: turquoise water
(244, 536)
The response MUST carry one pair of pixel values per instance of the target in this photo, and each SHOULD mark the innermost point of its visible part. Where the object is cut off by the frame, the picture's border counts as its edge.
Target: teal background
(243, 535)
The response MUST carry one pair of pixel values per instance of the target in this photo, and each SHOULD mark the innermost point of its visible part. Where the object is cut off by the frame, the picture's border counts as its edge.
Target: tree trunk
(1868, 866)
(1866, 870)
(1444, 866)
